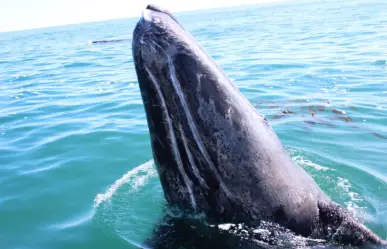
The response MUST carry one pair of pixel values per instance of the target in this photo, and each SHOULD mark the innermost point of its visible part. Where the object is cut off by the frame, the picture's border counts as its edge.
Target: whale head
(215, 154)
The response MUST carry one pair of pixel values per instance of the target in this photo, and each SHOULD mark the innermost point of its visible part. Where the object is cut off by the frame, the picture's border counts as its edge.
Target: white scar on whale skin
(191, 124)
(176, 153)
(191, 160)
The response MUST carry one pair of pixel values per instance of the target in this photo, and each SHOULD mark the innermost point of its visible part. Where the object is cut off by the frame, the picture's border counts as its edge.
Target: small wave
(46, 166)
(74, 222)
(137, 177)
(380, 62)
(79, 64)
(304, 162)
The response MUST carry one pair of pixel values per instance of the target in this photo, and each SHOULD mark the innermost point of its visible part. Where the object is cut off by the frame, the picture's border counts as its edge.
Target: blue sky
(28, 14)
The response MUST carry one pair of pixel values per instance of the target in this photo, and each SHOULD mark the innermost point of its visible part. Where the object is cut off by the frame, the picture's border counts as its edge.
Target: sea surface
(76, 167)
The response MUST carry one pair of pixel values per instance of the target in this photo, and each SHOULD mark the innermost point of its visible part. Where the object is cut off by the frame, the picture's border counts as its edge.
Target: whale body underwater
(216, 156)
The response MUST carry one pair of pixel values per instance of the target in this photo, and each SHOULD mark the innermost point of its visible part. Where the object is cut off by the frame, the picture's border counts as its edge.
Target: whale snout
(155, 14)
(157, 37)
(153, 7)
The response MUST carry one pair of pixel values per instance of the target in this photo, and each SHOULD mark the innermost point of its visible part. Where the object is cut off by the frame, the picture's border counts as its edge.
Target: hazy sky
(27, 14)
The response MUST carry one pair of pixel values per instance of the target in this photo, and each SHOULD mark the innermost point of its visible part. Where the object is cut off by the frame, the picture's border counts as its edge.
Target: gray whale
(215, 154)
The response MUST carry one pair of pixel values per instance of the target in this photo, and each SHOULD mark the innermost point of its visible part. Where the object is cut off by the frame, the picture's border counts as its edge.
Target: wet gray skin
(215, 154)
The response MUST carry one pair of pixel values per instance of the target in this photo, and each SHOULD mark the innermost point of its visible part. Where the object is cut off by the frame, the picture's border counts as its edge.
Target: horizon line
(138, 15)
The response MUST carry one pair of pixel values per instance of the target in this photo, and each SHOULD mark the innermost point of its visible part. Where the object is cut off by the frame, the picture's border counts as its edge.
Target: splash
(136, 177)
(269, 234)
(131, 206)
(354, 198)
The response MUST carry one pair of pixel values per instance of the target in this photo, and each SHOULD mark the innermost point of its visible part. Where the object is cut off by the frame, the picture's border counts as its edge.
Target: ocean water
(76, 167)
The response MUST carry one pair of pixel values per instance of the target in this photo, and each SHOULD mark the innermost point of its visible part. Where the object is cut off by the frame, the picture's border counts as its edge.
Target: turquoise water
(76, 162)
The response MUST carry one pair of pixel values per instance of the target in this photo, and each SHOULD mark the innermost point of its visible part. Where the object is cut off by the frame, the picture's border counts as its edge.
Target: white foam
(344, 184)
(133, 177)
(304, 162)
(352, 205)
(354, 197)
(260, 231)
(225, 226)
